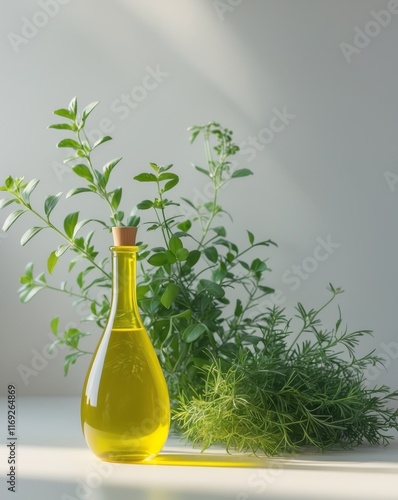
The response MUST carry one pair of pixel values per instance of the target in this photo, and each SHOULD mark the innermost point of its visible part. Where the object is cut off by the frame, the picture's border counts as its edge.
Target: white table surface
(53, 462)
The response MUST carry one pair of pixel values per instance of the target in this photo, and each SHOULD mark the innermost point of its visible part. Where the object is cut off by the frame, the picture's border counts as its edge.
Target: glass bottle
(125, 408)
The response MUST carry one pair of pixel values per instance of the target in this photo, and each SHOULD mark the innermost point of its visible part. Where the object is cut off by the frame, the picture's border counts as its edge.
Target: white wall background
(323, 175)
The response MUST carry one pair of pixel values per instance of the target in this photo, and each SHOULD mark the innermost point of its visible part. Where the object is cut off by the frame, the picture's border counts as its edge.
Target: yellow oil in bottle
(125, 409)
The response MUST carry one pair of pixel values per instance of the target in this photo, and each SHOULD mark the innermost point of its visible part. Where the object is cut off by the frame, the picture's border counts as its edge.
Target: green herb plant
(233, 375)
(283, 395)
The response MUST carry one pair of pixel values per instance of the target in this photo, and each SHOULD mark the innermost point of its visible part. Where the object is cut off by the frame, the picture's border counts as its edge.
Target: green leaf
(154, 166)
(210, 207)
(71, 158)
(241, 172)
(54, 325)
(61, 250)
(63, 126)
(80, 279)
(70, 359)
(220, 231)
(193, 332)
(142, 290)
(244, 264)
(101, 141)
(194, 135)
(116, 198)
(193, 257)
(158, 259)
(169, 295)
(185, 314)
(185, 226)
(6, 201)
(144, 205)
(83, 171)
(65, 113)
(167, 176)
(12, 218)
(220, 273)
(8, 183)
(69, 143)
(213, 288)
(100, 178)
(29, 234)
(182, 254)
(119, 216)
(258, 266)
(175, 244)
(202, 170)
(73, 107)
(144, 177)
(251, 237)
(108, 167)
(29, 189)
(238, 308)
(170, 257)
(87, 110)
(28, 272)
(212, 254)
(189, 202)
(50, 203)
(78, 190)
(52, 261)
(170, 184)
(70, 223)
(27, 294)
(41, 277)
(133, 220)
(164, 168)
(79, 225)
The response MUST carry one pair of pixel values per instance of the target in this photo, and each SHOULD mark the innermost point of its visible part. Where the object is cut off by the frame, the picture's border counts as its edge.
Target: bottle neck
(124, 306)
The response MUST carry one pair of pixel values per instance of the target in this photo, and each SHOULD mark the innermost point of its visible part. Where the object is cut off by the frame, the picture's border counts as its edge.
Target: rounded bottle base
(125, 458)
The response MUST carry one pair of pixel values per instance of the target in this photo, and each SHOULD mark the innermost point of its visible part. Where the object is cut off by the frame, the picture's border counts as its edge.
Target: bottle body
(125, 409)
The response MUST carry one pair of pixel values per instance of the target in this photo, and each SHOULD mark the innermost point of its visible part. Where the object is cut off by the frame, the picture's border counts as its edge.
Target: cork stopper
(124, 236)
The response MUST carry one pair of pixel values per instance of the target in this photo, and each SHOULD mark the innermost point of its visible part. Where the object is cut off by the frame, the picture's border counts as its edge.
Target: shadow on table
(339, 461)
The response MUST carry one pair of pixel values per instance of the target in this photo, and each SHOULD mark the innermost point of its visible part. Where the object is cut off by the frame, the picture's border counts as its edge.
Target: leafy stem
(49, 224)
(309, 319)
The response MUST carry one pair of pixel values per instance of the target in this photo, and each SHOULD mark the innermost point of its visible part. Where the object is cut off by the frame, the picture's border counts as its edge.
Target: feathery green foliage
(281, 397)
